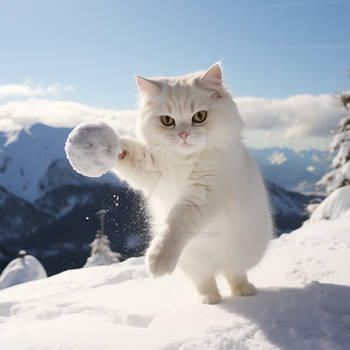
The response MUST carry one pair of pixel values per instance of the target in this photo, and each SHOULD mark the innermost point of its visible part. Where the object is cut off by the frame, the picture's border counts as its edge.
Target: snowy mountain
(44, 204)
(19, 218)
(288, 208)
(27, 158)
(34, 162)
(302, 303)
(295, 171)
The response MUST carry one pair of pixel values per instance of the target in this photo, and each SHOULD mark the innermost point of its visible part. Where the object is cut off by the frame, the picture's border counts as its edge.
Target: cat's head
(187, 114)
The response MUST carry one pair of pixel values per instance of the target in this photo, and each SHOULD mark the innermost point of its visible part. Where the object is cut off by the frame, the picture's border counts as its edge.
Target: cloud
(297, 116)
(15, 115)
(26, 90)
(305, 120)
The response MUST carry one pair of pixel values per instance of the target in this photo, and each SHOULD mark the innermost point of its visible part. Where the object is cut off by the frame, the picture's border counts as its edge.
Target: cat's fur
(208, 201)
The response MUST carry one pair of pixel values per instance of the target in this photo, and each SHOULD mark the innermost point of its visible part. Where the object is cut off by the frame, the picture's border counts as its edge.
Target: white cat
(209, 205)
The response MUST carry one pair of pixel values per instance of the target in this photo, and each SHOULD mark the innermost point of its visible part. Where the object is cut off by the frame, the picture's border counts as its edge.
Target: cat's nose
(183, 135)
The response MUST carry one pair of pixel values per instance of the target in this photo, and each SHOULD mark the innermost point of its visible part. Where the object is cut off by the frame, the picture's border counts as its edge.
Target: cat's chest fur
(171, 183)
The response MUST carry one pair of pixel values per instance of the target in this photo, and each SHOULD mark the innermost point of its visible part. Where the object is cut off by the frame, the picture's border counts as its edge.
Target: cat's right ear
(147, 86)
(211, 79)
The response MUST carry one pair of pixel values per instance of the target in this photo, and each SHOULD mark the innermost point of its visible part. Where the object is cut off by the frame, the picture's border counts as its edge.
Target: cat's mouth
(185, 144)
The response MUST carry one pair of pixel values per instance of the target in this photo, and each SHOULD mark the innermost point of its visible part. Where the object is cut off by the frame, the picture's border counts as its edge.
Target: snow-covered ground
(303, 303)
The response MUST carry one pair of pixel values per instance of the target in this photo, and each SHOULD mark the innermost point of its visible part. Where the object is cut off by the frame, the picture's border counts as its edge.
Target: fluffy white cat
(208, 201)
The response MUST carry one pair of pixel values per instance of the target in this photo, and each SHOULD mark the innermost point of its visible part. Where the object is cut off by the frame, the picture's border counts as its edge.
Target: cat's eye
(199, 117)
(167, 120)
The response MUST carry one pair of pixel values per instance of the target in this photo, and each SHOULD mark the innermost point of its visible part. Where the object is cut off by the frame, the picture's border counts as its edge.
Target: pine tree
(101, 253)
(340, 175)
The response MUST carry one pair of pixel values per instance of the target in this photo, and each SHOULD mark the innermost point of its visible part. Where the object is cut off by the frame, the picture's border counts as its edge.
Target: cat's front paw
(161, 258)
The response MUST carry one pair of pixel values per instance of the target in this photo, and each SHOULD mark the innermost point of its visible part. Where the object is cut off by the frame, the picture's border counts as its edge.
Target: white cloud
(27, 90)
(70, 88)
(24, 113)
(298, 115)
(298, 121)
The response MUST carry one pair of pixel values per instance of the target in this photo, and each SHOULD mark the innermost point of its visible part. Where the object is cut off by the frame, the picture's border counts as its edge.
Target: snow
(277, 158)
(21, 270)
(334, 206)
(338, 139)
(97, 260)
(336, 178)
(340, 175)
(342, 156)
(303, 303)
(92, 148)
(36, 162)
(346, 171)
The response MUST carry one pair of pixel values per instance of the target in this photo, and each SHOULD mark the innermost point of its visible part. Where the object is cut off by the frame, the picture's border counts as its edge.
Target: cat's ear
(211, 78)
(147, 86)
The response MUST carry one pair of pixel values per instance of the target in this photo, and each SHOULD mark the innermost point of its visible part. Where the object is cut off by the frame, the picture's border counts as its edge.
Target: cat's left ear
(212, 78)
(147, 86)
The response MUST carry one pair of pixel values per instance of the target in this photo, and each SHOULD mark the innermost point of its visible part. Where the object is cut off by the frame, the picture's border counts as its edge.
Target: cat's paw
(245, 290)
(210, 299)
(161, 258)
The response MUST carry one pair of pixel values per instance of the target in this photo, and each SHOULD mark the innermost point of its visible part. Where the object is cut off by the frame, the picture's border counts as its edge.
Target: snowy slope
(303, 303)
(335, 205)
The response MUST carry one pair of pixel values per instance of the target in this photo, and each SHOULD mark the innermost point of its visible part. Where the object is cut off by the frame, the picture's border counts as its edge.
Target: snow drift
(303, 303)
(335, 205)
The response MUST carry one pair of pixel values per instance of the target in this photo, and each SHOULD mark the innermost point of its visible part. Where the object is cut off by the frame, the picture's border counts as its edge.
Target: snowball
(92, 148)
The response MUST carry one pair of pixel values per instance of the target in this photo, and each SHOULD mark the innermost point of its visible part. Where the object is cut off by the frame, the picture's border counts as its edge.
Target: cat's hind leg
(205, 284)
(239, 284)
(207, 290)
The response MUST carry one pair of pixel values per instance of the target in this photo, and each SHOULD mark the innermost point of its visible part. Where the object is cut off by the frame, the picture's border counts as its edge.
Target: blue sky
(269, 49)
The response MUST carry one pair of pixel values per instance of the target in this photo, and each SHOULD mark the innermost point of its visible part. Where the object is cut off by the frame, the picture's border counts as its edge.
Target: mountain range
(293, 170)
(48, 209)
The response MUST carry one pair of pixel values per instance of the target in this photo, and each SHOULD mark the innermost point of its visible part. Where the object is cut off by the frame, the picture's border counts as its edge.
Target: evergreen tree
(339, 176)
(101, 253)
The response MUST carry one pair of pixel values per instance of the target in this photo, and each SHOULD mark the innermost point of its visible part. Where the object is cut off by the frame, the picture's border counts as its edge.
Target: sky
(284, 60)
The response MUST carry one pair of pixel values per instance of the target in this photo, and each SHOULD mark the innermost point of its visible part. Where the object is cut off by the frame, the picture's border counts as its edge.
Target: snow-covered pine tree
(339, 176)
(101, 253)
(23, 269)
